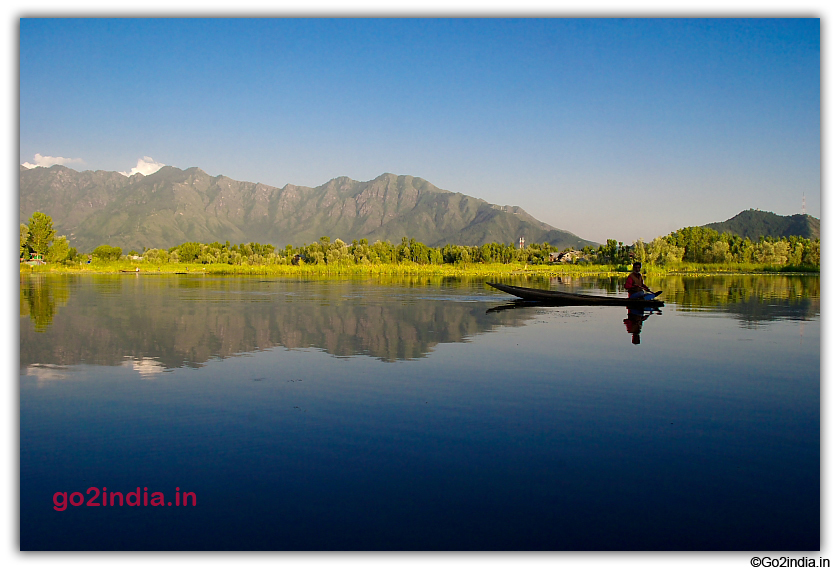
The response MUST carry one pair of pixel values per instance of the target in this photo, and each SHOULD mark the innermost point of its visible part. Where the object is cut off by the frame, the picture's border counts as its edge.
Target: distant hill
(173, 206)
(756, 223)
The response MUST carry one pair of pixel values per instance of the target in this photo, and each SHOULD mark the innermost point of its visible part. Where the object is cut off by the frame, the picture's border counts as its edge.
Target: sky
(608, 128)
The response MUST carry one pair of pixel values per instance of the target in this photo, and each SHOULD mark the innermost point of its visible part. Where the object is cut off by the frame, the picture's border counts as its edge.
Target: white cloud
(47, 161)
(45, 373)
(147, 367)
(145, 166)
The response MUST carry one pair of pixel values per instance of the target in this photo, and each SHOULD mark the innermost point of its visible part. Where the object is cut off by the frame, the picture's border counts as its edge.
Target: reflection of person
(635, 285)
(633, 323)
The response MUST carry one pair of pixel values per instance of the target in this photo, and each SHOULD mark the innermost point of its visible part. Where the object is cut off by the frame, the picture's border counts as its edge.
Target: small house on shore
(36, 259)
(567, 257)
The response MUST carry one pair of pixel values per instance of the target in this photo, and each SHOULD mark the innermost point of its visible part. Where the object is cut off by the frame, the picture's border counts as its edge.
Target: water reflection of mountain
(173, 321)
(186, 321)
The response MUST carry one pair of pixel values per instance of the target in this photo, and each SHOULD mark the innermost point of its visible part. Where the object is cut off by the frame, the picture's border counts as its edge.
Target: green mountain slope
(173, 206)
(756, 223)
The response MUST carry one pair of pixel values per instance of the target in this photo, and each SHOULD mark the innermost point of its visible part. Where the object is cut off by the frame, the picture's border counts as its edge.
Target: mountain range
(754, 224)
(173, 206)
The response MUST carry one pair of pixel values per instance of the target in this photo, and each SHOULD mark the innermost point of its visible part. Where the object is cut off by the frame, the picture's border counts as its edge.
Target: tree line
(705, 245)
(337, 252)
(690, 244)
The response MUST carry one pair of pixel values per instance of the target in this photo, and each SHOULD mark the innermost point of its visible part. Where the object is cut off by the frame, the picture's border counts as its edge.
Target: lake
(417, 414)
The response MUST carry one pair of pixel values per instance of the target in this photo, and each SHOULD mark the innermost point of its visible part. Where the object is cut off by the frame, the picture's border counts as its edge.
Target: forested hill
(174, 206)
(756, 223)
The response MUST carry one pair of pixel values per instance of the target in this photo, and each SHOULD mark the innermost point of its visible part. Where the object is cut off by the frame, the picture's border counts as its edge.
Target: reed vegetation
(407, 268)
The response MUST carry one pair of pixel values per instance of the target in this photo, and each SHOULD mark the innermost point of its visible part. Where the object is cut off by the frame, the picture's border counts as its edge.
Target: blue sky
(613, 128)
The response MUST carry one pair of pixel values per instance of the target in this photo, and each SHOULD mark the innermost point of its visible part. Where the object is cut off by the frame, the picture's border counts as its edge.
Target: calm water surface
(419, 415)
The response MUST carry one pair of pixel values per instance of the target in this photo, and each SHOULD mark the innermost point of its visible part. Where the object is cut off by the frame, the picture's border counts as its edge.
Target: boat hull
(563, 298)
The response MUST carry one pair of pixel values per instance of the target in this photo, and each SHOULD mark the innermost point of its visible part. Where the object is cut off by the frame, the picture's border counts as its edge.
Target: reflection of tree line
(697, 290)
(40, 298)
(750, 297)
(190, 321)
(187, 321)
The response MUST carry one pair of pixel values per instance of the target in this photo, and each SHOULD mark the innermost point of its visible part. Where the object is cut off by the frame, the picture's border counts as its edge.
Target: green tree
(189, 251)
(41, 233)
(812, 257)
(107, 253)
(608, 253)
(59, 250)
(719, 253)
(639, 252)
(156, 255)
(661, 252)
(24, 238)
(796, 254)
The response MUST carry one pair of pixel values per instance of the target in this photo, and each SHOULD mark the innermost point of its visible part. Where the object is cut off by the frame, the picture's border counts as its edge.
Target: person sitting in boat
(635, 285)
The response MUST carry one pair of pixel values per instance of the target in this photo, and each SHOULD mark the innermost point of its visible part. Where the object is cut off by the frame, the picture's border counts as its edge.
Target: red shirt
(634, 283)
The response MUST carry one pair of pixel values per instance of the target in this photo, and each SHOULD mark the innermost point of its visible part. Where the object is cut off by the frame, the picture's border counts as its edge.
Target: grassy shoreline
(407, 268)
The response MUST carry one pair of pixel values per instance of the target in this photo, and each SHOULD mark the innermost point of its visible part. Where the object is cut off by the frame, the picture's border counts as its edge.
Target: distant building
(570, 256)
(37, 259)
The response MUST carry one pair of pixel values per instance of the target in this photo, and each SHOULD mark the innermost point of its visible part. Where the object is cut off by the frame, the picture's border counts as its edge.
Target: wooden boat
(563, 298)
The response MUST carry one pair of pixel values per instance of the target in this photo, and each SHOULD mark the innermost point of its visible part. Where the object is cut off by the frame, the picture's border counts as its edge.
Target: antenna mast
(803, 203)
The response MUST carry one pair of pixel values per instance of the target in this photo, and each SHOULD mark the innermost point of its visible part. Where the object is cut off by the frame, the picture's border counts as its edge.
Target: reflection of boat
(563, 298)
(520, 304)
